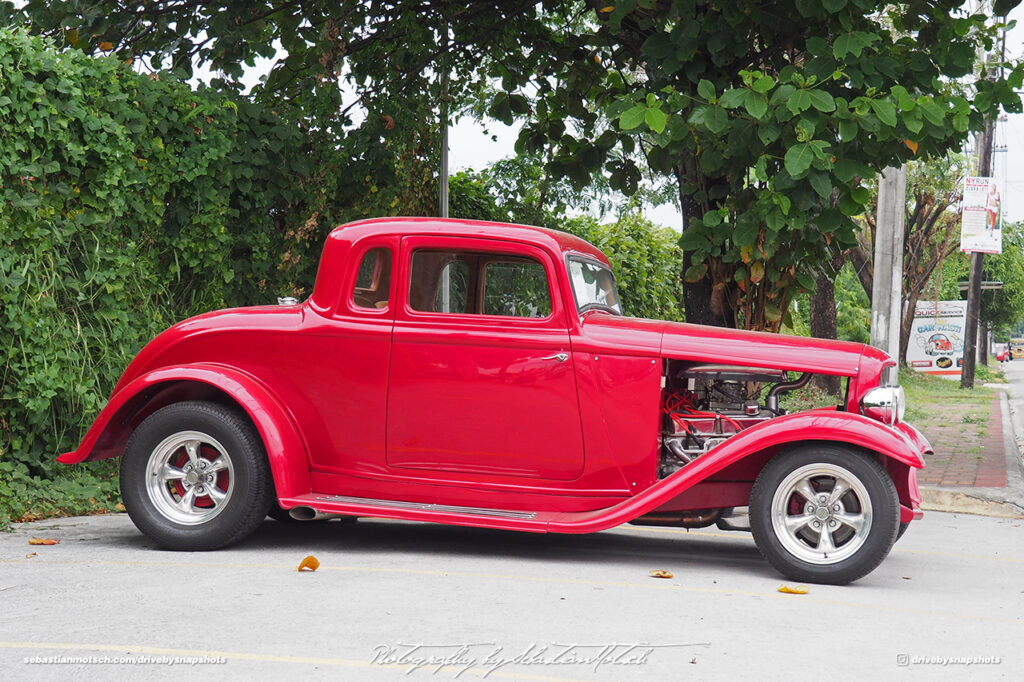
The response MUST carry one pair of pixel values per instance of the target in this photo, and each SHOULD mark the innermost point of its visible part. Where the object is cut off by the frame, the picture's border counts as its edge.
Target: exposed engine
(705, 405)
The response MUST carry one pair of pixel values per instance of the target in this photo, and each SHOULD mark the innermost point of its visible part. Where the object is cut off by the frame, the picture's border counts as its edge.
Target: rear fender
(286, 450)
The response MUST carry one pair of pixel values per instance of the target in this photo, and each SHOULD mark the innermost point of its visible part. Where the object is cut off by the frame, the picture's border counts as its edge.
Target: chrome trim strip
(421, 506)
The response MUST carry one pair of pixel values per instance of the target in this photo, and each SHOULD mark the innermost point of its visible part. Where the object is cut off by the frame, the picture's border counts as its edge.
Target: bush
(646, 259)
(127, 202)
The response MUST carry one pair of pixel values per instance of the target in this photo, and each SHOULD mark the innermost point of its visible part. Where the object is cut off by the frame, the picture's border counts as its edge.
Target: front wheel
(824, 513)
(194, 476)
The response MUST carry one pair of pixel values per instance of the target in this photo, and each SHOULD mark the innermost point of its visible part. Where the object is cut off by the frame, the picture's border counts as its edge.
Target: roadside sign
(981, 223)
(936, 343)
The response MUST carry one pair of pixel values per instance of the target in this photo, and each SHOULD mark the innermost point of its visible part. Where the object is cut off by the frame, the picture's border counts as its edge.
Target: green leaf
(745, 234)
(822, 101)
(733, 97)
(632, 118)
(693, 239)
(798, 159)
(821, 184)
(764, 84)
(705, 89)
(861, 195)
(656, 119)
(756, 104)
(848, 130)
(844, 169)
(716, 119)
(799, 101)
(885, 111)
(932, 111)
(817, 46)
(768, 133)
(961, 123)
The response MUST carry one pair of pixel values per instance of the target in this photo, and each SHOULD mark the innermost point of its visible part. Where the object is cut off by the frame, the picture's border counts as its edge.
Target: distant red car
(484, 374)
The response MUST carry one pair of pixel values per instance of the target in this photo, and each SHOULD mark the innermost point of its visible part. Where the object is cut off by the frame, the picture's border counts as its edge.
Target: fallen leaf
(660, 574)
(907, 577)
(309, 564)
(43, 541)
(799, 589)
(120, 507)
(30, 555)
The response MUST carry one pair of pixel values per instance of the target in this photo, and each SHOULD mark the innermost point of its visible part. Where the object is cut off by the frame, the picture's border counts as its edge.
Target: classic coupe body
(484, 374)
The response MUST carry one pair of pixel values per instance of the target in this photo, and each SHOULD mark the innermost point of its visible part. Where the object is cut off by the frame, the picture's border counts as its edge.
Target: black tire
(854, 531)
(901, 531)
(195, 477)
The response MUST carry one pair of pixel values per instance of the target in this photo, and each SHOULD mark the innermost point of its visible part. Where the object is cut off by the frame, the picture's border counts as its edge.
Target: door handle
(561, 357)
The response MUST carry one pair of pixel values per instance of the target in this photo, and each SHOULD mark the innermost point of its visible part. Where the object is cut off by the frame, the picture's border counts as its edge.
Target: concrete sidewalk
(977, 466)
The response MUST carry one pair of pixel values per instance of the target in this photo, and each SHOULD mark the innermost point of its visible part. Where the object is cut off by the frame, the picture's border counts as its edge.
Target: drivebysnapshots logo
(906, 660)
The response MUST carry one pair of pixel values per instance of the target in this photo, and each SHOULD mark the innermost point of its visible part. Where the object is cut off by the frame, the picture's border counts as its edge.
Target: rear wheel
(824, 513)
(194, 476)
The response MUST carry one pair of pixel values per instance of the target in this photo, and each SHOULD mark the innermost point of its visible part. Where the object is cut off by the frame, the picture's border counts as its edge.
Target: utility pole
(887, 285)
(985, 142)
(442, 194)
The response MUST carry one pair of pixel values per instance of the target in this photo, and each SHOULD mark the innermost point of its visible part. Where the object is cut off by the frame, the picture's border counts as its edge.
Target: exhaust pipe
(684, 519)
(310, 514)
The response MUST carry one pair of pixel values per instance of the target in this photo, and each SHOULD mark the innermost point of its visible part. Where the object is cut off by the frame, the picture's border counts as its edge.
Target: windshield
(593, 285)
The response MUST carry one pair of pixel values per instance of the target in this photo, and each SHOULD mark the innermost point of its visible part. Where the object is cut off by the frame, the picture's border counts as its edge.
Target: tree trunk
(823, 320)
(696, 295)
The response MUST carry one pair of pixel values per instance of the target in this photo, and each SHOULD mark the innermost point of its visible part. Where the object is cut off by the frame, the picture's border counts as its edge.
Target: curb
(1005, 502)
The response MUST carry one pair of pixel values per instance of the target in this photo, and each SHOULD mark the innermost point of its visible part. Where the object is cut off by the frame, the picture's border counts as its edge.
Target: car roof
(554, 239)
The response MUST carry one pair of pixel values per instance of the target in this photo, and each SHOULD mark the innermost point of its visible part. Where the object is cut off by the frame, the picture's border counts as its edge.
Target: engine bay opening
(704, 405)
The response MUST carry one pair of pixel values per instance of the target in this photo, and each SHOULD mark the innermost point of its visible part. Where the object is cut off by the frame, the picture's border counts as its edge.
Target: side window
(373, 279)
(516, 288)
(477, 283)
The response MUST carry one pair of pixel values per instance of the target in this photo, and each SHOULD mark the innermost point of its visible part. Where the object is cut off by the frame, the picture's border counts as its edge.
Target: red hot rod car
(484, 374)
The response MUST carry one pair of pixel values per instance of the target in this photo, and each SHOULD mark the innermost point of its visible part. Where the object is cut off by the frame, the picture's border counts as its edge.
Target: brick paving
(968, 442)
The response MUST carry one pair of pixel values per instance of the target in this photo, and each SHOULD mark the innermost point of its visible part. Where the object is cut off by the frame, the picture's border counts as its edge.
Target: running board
(507, 519)
(398, 504)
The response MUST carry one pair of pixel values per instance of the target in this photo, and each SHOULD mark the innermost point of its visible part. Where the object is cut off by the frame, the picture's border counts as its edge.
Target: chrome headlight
(885, 403)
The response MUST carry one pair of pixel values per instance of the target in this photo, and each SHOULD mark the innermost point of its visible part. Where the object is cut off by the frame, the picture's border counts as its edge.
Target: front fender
(286, 450)
(815, 425)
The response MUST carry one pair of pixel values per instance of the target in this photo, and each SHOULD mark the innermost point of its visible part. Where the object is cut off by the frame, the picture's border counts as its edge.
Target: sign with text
(981, 223)
(936, 344)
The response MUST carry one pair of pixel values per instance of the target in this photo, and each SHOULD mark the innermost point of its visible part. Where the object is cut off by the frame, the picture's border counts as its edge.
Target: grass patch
(89, 488)
(807, 398)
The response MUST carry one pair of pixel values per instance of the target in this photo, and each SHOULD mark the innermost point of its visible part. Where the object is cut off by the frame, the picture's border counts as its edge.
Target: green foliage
(645, 259)
(770, 135)
(853, 309)
(127, 202)
(87, 489)
(1002, 308)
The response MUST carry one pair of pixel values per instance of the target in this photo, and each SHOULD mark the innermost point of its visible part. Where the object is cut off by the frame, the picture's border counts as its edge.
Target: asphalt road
(509, 603)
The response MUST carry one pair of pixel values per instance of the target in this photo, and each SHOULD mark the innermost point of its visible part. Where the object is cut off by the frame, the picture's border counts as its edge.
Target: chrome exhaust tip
(309, 514)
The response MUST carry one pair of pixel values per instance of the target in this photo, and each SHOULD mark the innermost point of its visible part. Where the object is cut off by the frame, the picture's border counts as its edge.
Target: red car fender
(816, 425)
(286, 450)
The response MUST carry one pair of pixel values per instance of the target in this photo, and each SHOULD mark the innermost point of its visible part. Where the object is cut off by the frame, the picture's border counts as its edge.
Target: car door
(481, 379)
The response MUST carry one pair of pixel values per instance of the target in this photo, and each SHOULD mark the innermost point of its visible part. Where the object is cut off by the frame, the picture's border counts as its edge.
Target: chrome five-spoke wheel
(189, 477)
(824, 512)
(195, 476)
(821, 513)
